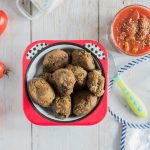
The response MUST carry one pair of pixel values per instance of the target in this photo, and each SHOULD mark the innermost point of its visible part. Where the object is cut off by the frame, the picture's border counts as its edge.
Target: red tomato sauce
(131, 30)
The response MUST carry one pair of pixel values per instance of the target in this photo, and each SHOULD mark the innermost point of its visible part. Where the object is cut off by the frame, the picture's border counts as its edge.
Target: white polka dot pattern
(35, 49)
(95, 50)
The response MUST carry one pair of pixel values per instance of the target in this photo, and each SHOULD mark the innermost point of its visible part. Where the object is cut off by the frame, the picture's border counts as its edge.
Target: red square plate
(32, 60)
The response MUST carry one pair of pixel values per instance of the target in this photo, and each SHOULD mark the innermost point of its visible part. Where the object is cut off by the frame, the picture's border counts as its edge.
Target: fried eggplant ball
(54, 60)
(64, 81)
(83, 59)
(41, 92)
(62, 107)
(79, 73)
(83, 102)
(96, 82)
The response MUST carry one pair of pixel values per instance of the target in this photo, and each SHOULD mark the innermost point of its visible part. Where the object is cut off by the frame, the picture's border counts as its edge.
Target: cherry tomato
(3, 21)
(2, 70)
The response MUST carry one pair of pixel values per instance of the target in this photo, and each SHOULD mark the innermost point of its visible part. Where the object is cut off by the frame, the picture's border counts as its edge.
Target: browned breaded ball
(62, 107)
(54, 60)
(96, 82)
(79, 73)
(83, 102)
(83, 59)
(63, 80)
(46, 76)
(41, 92)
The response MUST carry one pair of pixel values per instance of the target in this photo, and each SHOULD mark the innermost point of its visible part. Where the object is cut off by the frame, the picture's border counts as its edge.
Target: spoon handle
(134, 102)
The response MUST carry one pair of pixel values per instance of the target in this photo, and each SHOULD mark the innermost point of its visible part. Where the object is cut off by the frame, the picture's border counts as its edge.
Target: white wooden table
(74, 19)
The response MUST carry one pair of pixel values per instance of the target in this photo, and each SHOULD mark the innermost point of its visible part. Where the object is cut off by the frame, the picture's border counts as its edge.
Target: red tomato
(2, 70)
(3, 21)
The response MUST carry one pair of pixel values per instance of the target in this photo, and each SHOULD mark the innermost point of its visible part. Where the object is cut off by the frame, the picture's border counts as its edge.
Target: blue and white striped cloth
(126, 124)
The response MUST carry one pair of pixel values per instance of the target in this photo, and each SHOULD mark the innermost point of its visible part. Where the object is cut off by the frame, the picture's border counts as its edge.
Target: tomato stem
(7, 72)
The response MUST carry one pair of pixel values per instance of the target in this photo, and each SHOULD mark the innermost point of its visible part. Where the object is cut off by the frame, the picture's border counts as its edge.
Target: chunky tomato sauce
(131, 30)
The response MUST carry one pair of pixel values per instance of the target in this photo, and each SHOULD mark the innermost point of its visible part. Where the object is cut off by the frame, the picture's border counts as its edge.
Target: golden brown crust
(83, 59)
(62, 107)
(41, 92)
(63, 80)
(79, 73)
(64, 77)
(54, 60)
(96, 82)
(83, 102)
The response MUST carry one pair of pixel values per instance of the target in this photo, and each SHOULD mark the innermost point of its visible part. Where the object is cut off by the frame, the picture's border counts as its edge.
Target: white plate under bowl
(138, 79)
(35, 68)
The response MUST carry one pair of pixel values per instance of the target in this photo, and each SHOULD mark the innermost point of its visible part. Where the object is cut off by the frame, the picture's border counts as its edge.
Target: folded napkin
(133, 139)
(137, 139)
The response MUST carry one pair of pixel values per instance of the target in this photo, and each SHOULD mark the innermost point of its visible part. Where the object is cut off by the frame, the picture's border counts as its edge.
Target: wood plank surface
(15, 130)
(74, 19)
(110, 130)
